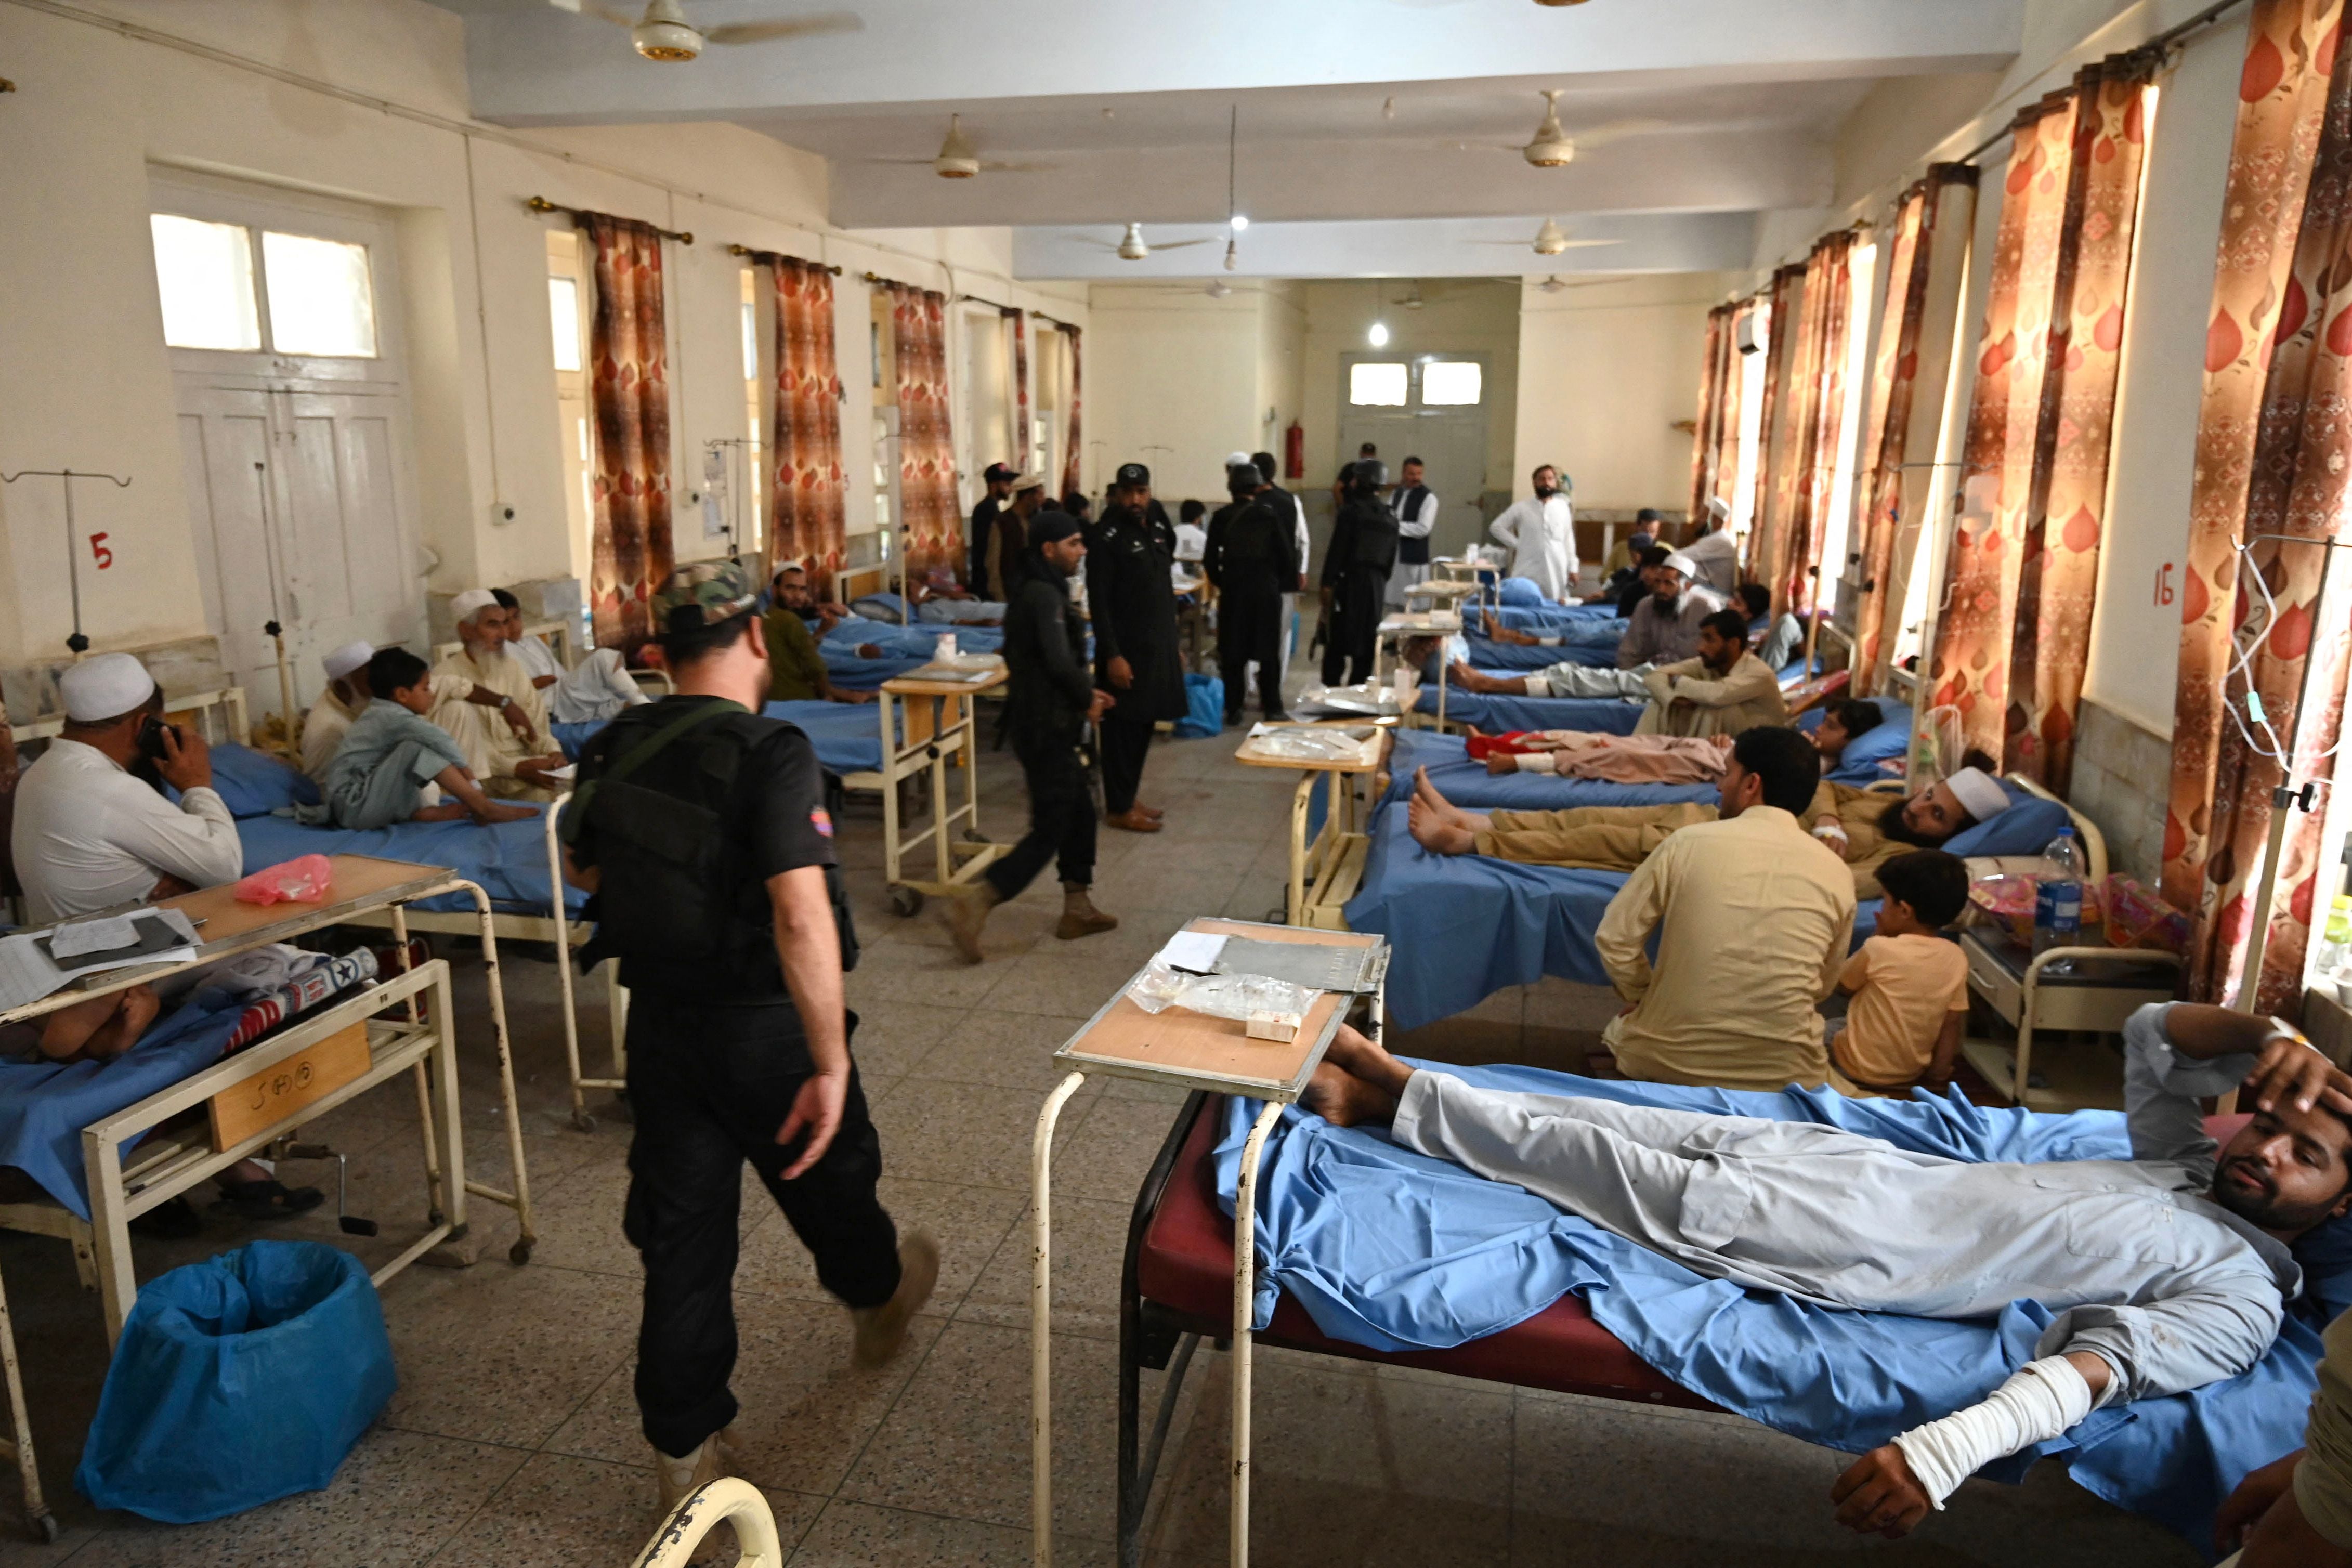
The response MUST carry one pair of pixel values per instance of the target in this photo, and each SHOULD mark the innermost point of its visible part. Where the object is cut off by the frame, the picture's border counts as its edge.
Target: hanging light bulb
(1240, 222)
(1378, 336)
(1233, 255)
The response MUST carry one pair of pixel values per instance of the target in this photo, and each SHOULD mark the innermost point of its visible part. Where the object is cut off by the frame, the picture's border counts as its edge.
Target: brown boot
(882, 1330)
(1133, 821)
(1080, 915)
(679, 1477)
(965, 911)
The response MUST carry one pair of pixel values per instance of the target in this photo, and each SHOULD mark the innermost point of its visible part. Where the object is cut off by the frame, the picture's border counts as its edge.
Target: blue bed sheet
(1464, 926)
(44, 1105)
(1589, 619)
(508, 860)
(846, 670)
(1518, 658)
(1391, 1249)
(1469, 784)
(1501, 715)
(848, 735)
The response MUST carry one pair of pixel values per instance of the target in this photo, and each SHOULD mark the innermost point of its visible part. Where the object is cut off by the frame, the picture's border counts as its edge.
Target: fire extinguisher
(1294, 452)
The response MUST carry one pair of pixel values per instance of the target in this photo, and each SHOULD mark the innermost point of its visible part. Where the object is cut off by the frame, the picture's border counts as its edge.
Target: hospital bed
(1624, 1318)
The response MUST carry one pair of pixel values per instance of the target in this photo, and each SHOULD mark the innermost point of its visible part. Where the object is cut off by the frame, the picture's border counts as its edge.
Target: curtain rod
(2160, 44)
(747, 254)
(541, 205)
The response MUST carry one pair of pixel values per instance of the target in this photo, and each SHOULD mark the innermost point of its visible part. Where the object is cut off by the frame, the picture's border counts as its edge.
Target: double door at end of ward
(300, 507)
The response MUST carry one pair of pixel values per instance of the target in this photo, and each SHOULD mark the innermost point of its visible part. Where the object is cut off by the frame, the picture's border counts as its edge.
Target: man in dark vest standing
(1252, 559)
(1356, 569)
(1415, 505)
(1133, 602)
(999, 479)
(700, 829)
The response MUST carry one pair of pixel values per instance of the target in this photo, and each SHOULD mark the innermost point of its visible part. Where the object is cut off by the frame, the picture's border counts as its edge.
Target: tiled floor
(513, 1438)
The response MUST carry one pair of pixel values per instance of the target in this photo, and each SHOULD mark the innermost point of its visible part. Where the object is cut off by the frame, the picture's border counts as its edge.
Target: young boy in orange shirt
(1909, 985)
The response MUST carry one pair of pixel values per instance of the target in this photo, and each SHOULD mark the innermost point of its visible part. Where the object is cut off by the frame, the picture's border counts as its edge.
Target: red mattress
(1186, 1263)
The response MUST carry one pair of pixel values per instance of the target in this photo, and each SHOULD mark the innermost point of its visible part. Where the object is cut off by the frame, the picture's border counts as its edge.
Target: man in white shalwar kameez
(1541, 534)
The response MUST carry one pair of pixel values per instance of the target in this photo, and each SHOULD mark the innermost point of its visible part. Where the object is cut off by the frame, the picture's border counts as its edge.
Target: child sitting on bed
(1909, 985)
(392, 752)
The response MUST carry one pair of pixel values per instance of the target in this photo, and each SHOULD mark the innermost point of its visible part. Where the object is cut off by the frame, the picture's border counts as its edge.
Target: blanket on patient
(1395, 1250)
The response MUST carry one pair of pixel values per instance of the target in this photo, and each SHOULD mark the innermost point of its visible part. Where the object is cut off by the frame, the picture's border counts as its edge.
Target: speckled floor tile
(503, 1354)
(857, 1536)
(1064, 983)
(805, 1411)
(938, 1132)
(559, 1510)
(969, 1223)
(1090, 1246)
(1108, 1156)
(1003, 1050)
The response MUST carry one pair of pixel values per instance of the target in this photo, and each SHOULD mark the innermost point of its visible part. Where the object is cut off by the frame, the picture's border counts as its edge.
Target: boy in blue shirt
(393, 751)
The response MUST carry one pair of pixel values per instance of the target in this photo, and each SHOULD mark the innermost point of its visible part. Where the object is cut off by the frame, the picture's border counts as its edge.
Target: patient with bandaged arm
(2166, 1271)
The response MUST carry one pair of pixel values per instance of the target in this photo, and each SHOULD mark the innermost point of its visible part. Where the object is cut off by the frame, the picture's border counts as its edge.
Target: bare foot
(494, 811)
(448, 811)
(1434, 831)
(122, 1032)
(1502, 762)
(1343, 1099)
(1462, 676)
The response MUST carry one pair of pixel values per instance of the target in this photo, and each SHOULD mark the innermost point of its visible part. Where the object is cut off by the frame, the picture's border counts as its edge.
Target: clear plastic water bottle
(2058, 899)
(2335, 943)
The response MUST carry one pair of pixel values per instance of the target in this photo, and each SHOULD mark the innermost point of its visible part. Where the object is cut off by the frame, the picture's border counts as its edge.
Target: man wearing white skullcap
(1715, 554)
(592, 693)
(1663, 627)
(486, 699)
(329, 719)
(89, 832)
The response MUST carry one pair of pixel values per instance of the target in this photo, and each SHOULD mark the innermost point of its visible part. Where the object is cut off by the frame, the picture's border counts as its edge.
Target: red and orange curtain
(2273, 457)
(808, 485)
(1802, 456)
(929, 517)
(1070, 479)
(1718, 391)
(1780, 307)
(1914, 352)
(628, 394)
(1019, 402)
(2014, 636)
(1724, 467)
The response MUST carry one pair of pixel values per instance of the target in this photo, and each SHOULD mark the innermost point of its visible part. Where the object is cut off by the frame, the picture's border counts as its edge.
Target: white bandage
(2040, 1400)
(1538, 762)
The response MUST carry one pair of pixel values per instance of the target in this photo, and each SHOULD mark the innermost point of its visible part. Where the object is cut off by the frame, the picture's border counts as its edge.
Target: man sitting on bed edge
(2166, 1271)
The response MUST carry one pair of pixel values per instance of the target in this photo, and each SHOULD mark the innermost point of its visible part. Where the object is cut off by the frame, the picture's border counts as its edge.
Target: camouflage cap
(715, 591)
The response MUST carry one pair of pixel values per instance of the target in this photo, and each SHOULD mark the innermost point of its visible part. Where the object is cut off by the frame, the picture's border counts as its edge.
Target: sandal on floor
(270, 1199)
(175, 1220)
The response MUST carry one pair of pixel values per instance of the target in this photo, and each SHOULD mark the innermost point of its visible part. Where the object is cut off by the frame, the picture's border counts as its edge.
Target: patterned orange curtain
(1829, 305)
(929, 519)
(2273, 456)
(1714, 382)
(1724, 467)
(809, 488)
(2015, 631)
(628, 393)
(1018, 453)
(1070, 471)
(1779, 353)
(1886, 436)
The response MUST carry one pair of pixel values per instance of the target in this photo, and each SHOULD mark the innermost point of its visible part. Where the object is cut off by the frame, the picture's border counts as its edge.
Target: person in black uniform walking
(1134, 607)
(1251, 558)
(700, 829)
(1047, 706)
(998, 478)
(1356, 569)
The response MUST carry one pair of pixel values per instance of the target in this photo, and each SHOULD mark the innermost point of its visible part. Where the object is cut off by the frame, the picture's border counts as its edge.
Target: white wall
(85, 379)
(1172, 380)
(1605, 372)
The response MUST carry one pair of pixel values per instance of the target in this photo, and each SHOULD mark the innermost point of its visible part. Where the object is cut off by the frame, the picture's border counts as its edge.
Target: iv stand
(274, 627)
(77, 642)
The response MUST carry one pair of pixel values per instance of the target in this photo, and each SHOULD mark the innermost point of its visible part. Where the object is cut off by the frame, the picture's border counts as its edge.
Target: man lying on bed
(2166, 1271)
(1865, 829)
(1654, 759)
(1666, 636)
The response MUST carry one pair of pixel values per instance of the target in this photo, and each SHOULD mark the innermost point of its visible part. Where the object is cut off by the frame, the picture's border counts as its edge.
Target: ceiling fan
(1131, 245)
(1552, 147)
(957, 160)
(1550, 240)
(1556, 284)
(662, 33)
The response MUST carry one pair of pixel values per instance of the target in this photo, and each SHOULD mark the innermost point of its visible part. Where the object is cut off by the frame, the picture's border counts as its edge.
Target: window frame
(1416, 363)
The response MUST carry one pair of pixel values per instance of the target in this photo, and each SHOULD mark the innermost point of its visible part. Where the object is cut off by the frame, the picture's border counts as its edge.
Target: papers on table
(32, 964)
(1194, 951)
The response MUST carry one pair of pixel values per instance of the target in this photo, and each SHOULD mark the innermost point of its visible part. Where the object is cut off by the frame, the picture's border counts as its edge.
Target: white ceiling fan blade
(994, 168)
(914, 163)
(1581, 244)
(1089, 239)
(1178, 243)
(791, 28)
(602, 13)
(1616, 131)
(1520, 243)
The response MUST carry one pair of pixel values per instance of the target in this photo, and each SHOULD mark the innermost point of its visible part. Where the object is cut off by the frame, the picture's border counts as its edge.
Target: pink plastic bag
(304, 880)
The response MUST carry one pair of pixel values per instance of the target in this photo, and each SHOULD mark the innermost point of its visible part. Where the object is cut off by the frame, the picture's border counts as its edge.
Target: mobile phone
(151, 737)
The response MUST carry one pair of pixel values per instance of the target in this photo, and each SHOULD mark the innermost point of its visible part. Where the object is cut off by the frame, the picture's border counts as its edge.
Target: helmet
(1367, 474)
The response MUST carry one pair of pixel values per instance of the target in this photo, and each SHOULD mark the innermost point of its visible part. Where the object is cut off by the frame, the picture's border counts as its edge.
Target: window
(1377, 384)
(320, 300)
(204, 271)
(1451, 384)
(563, 321)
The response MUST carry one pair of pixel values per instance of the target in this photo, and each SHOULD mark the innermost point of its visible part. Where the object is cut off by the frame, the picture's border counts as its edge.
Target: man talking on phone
(93, 827)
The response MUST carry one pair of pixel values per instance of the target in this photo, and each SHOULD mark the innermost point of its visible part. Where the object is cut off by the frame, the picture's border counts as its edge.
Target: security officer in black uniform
(1252, 556)
(1048, 703)
(1356, 570)
(701, 830)
(1134, 607)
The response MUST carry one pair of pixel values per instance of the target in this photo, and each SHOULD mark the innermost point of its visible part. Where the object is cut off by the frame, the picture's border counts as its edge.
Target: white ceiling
(1750, 93)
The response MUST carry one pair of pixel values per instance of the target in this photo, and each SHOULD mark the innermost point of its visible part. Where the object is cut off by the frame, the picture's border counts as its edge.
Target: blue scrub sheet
(848, 735)
(508, 860)
(1395, 1250)
(1503, 715)
(1521, 658)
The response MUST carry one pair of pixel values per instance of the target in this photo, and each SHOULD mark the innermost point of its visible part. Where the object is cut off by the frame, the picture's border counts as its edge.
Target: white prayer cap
(1718, 508)
(471, 602)
(346, 659)
(105, 687)
(1683, 563)
(1980, 795)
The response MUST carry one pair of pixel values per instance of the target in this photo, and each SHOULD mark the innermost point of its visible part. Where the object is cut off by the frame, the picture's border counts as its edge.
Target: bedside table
(2108, 985)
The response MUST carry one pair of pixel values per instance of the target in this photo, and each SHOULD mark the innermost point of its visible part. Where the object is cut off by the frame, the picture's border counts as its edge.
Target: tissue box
(1280, 1027)
(2136, 917)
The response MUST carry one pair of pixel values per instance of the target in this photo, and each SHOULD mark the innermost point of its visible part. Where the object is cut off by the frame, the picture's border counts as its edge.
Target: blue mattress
(1588, 619)
(1464, 926)
(1469, 784)
(1501, 715)
(1392, 1249)
(848, 735)
(1517, 658)
(508, 859)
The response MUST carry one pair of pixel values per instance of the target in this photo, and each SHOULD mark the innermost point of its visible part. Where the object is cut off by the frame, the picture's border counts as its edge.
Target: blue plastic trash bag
(239, 1380)
(1204, 707)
